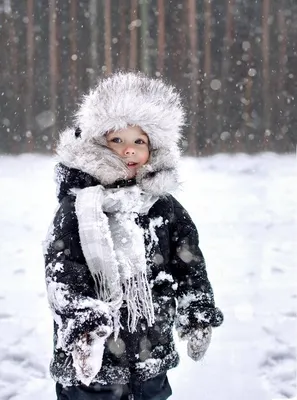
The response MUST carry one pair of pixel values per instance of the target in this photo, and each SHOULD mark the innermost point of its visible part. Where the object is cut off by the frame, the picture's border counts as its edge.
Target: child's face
(132, 145)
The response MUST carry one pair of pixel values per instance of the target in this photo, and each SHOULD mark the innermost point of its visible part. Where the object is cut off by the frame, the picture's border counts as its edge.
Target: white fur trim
(132, 99)
(90, 157)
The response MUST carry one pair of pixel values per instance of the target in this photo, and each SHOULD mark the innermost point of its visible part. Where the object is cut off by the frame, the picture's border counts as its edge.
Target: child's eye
(116, 140)
(140, 141)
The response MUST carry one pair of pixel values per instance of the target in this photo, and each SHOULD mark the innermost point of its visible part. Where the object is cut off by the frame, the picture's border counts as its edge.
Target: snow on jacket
(181, 291)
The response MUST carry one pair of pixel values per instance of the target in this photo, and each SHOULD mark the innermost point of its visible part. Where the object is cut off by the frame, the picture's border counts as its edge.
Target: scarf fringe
(139, 301)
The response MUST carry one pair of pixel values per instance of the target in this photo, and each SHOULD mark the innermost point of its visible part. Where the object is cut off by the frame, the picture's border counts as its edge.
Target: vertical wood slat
(225, 62)
(248, 91)
(11, 74)
(282, 63)
(265, 67)
(207, 38)
(194, 67)
(94, 57)
(13, 50)
(144, 37)
(30, 71)
(207, 65)
(133, 36)
(53, 67)
(123, 35)
(161, 36)
(73, 51)
(107, 28)
(282, 29)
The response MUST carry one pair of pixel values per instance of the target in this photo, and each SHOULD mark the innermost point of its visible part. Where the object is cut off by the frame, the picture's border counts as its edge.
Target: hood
(116, 102)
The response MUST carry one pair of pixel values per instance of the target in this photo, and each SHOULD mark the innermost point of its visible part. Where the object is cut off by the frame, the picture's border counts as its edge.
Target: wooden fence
(235, 62)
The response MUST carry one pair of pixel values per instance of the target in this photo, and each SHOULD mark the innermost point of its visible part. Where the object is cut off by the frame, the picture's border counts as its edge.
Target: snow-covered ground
(245, 208)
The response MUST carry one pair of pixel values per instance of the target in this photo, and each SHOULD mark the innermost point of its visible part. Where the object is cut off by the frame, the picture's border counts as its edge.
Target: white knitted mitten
(198, 343)
(87, 357)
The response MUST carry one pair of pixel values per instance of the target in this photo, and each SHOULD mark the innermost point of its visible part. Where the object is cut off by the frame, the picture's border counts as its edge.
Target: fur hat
(116, 102)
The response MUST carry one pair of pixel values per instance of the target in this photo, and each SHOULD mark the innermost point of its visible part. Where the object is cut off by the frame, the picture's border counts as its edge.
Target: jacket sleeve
(70, 286)
(195, 300)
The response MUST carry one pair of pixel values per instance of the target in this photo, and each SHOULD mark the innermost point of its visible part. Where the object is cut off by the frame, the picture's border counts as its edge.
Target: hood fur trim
(132, 99)
(91, 157)
(158, 177)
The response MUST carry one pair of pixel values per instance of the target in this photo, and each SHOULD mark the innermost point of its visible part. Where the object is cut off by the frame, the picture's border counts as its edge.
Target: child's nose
(129, 150)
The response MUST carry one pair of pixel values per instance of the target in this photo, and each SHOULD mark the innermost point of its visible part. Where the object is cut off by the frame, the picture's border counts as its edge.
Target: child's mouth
(131, 164)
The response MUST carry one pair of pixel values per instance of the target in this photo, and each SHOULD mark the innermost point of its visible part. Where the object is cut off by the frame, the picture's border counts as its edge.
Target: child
(123, 264)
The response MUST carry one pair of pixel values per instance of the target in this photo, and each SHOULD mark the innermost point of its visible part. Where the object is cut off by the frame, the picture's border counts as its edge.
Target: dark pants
(157, 388)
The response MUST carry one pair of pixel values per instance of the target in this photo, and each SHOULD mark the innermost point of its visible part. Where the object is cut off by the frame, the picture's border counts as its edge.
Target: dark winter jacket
(182, 294)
